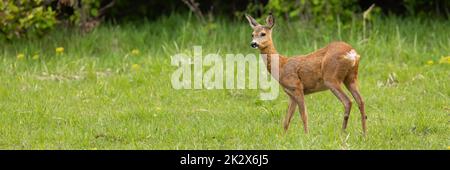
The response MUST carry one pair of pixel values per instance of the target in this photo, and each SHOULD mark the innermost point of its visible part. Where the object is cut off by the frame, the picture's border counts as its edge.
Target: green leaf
(94, 12)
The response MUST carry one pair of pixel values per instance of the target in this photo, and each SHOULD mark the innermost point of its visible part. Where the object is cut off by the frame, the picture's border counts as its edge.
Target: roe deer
(326, 68)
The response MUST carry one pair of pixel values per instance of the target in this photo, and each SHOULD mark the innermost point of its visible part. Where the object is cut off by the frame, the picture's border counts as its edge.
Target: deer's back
(312, 68)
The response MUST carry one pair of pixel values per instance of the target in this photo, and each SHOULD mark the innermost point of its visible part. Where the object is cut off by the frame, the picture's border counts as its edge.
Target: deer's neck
(269, 54)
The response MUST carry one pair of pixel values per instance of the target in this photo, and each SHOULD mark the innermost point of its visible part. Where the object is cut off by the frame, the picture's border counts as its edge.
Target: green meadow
(111, 88)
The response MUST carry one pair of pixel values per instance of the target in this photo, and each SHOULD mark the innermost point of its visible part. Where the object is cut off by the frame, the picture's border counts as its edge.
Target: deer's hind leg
(352, 85)
(335, 87)
(333, 78)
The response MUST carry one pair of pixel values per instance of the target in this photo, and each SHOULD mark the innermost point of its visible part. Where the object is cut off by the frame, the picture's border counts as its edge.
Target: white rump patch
(352, 55)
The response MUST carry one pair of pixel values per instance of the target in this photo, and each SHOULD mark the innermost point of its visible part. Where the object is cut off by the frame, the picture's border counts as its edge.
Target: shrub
(25, 17)
(313, 10)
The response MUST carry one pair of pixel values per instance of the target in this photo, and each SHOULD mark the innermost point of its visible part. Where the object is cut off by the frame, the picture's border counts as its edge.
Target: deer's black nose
(254, 45)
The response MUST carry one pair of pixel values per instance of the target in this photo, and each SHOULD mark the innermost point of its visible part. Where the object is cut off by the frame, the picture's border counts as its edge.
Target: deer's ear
(251, 21)
(270, 21)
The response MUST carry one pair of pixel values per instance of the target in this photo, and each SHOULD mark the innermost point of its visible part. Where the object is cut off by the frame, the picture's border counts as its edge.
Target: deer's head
(262, 34)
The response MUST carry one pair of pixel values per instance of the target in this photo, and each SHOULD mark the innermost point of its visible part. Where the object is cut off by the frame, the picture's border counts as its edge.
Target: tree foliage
(315, 10)
(25, 17)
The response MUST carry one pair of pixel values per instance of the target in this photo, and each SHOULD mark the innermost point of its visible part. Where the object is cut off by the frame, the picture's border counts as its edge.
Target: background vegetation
(22, 17)
(97, 76)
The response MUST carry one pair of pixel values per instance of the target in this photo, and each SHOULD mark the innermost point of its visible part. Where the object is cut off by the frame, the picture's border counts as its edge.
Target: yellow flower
(59, 50)
(35, 57)
(430, 62)
(135, 52)
(135, 67)
(20, 56)
(445, 60)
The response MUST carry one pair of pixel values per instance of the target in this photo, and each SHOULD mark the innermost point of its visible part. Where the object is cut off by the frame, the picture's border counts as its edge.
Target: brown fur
(325, 69)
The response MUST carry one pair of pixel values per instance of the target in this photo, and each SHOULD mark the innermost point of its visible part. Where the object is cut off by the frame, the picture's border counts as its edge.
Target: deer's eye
(263, 34)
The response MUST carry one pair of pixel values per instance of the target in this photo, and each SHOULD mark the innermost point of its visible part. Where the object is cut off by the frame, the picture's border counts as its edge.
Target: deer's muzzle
(254, 45)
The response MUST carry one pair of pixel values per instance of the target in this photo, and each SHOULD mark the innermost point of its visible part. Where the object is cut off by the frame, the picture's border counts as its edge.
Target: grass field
(111, 89)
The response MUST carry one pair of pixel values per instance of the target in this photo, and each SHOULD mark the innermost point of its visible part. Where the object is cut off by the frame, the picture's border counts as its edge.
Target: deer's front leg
(298, 96)
(290, 112)
(302, 107)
